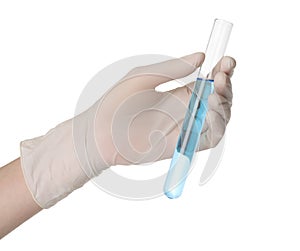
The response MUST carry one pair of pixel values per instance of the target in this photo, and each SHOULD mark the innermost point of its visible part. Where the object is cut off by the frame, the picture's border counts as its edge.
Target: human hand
(142, 125)
(131, 124)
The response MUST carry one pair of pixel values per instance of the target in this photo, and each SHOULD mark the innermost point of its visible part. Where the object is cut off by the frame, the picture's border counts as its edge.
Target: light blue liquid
(189, 138)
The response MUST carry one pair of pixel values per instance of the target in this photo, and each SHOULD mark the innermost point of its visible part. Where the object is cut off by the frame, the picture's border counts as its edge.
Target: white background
(50, 50)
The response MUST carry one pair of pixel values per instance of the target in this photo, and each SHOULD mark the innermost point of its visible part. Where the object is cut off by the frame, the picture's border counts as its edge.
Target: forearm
(16, 202)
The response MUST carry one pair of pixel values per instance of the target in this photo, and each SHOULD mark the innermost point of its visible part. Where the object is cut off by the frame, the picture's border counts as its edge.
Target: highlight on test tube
(189, 136)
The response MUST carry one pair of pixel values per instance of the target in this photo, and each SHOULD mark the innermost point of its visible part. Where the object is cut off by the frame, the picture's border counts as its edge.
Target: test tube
(195, 116)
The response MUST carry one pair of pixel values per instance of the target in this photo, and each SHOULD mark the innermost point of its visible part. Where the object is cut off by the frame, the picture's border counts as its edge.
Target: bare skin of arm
(16, 202)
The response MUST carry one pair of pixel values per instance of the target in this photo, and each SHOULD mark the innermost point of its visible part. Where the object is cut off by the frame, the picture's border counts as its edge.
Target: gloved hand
(131, 124)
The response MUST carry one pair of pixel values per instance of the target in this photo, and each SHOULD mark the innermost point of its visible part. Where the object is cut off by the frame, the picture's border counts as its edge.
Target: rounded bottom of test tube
(172, 195)
(177, 174)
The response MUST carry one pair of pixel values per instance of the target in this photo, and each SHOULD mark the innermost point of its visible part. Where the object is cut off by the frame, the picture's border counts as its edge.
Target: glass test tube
(195, 116)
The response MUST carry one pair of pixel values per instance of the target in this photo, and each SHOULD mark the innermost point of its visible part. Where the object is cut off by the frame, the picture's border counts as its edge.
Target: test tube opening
(216, 46)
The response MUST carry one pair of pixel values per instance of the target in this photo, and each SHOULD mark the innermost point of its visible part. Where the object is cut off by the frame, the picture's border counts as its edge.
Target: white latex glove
(131, 124)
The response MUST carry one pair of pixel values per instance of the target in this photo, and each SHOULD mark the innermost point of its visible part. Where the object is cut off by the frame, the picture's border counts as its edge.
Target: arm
(16, 202)
(68, 156)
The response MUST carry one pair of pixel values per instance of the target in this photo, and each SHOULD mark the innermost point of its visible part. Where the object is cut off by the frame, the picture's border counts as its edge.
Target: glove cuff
(51, 166)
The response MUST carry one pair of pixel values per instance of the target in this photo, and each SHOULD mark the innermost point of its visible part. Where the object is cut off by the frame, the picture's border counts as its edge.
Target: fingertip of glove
(228, 63)
(195, 59)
